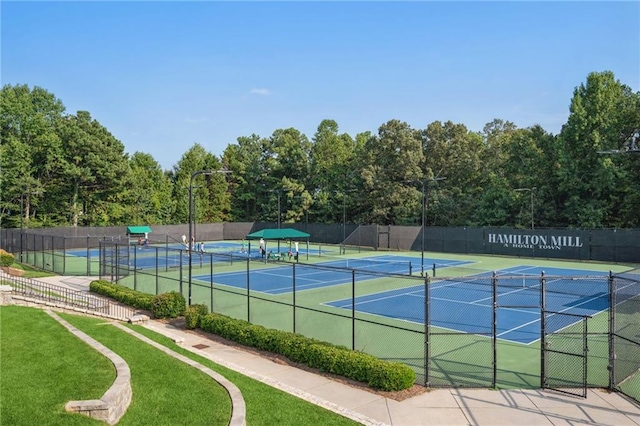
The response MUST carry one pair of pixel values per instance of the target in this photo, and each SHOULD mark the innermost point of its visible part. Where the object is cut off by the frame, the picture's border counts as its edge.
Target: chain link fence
(484, 331)
(469, 341)
(625, 333)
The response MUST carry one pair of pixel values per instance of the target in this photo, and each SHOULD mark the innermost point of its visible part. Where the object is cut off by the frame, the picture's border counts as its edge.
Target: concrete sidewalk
(529, 407)
(435, 407)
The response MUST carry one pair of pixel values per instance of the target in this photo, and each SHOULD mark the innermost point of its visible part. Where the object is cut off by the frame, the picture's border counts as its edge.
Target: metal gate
(564, 353)
(383, 237)
(114, 261)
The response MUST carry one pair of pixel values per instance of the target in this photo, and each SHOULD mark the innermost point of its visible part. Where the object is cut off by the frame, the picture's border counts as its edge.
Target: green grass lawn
(44, 366)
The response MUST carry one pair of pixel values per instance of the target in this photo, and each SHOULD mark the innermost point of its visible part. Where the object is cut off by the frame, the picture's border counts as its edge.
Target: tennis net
(457, 269)
(403, 267)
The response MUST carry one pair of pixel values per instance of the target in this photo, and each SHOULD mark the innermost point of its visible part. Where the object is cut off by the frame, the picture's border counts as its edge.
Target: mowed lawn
(43, 366)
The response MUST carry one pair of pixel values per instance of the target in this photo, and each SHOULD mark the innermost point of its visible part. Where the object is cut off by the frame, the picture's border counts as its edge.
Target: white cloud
(261, 92)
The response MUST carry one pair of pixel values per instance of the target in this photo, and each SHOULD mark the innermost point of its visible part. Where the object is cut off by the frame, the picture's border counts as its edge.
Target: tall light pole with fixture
(530, 192)
(425, 188)
(279, 192)
(191, 219)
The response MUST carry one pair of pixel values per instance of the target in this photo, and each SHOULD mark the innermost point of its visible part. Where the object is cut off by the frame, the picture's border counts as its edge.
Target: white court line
(564, 310)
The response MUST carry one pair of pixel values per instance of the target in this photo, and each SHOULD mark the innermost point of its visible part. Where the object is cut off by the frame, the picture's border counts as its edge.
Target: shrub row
(6, 258)
(165, 305)
(339, 360)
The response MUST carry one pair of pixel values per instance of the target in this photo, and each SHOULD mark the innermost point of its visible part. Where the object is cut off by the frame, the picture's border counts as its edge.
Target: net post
(434, 270)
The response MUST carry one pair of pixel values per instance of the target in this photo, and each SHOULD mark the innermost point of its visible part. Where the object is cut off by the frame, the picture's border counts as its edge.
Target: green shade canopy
(134, 230)
(277, 234)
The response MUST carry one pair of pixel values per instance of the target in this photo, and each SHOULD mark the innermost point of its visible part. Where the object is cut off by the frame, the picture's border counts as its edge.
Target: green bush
(168, 305)
(194, 314)
(6, 258)
(339, 360)
(122, 294)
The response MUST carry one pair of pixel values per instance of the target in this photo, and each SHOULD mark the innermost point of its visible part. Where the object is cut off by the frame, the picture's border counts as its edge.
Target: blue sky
(162, 76)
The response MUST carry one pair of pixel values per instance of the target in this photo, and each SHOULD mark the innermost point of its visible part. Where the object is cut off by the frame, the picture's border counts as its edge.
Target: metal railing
(68, 298)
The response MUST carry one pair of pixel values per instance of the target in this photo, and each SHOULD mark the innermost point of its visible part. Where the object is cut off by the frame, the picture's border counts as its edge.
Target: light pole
(279, 191)
(344, 219)
(530, 192)
(344, 222)
(21, 224)
(22, 217)
(424, 208)
(191, 218)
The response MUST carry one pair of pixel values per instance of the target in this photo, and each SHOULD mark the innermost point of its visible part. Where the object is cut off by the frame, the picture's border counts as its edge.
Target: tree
(388, 160)
(210, 196)
(30, 149)
(94, 172)
(247, 178)
(588, 181)
(451, 151)
(150, 201)
(332, 170)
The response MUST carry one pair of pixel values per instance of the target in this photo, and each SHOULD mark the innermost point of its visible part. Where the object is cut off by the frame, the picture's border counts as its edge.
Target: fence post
(135, 265)
(211, 281)
(157, 271)
(294, 296)
(180, 275)
(353, 309)
(612, 330)
(494, 334)
(248, 289)
(543, 330)
(427, 348)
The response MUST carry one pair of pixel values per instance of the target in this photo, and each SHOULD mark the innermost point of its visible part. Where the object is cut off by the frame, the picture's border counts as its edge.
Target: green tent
(138, 230)
(278, 234)
(137, 233)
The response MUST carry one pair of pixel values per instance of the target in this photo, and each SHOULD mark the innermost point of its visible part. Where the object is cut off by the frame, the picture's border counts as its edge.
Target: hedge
(339, 360)
(6, 258)
(122, 294)
(166, 305)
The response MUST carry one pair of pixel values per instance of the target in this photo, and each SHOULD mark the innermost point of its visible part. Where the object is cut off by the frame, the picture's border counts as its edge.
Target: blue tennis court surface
(279, 279)
(210, 247)
(468, 306)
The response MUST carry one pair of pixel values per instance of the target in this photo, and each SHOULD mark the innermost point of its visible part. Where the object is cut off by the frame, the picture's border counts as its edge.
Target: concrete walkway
(529, 407)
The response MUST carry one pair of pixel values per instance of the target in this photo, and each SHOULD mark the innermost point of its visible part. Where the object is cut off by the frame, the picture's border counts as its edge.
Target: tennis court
(279, 279)
(169, 255)
(467, 306)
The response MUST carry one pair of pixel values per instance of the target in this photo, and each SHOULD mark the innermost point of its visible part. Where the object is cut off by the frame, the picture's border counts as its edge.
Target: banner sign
(535, 242)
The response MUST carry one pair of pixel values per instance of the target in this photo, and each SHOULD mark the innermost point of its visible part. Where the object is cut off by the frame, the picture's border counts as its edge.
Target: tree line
(61, 169)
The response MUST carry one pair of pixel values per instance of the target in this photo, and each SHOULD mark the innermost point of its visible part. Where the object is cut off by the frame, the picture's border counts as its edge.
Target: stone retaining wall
(115, 401)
